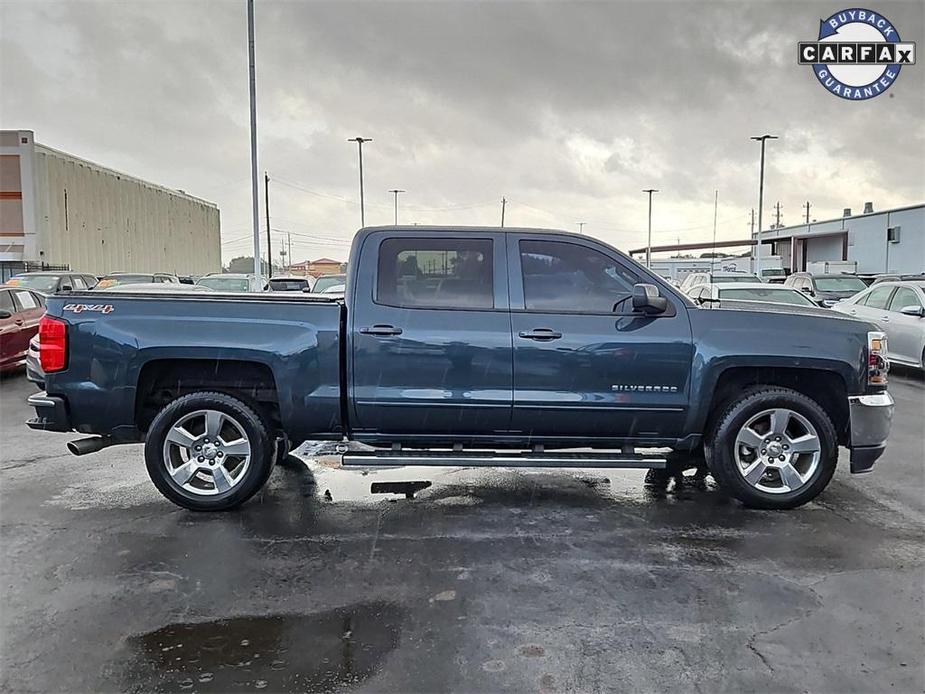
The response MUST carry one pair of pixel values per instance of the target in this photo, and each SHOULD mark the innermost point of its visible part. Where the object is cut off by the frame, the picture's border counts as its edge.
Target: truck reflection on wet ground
(314, 652)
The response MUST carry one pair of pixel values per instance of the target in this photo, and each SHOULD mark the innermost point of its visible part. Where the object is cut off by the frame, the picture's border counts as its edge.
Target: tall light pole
(581, 227)
(360, 141)
(255, 195)
(395, 192)
(762, 139)
(649, 244)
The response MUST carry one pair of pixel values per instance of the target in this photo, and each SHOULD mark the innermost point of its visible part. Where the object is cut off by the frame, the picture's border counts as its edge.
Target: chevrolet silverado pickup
(467, 346)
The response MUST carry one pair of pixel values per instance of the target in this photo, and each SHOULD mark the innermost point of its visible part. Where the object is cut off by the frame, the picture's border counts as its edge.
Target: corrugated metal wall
(100, 221)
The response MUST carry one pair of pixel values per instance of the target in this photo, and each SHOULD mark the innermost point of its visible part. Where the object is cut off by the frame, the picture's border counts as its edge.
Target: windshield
(772, 295)
(225, 284)
(839, 284)
(327, 282)
(42, 283)
(288, 285)
(734, 278)
(773, 272)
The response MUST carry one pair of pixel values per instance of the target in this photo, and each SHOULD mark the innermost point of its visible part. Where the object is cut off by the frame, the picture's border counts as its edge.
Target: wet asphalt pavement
(493, 580)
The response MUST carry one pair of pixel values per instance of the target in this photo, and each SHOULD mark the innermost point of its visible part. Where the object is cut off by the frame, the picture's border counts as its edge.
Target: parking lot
(496, 580)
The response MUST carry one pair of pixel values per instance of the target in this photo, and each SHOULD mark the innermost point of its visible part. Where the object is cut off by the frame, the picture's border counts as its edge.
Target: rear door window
(436, 273)
(563, 276)
(6, 302)
(78, 282)
(878, 297)
(25, 300)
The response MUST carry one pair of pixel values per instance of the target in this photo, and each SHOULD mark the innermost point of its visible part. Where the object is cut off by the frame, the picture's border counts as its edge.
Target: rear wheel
(774, 448)
(208, 452)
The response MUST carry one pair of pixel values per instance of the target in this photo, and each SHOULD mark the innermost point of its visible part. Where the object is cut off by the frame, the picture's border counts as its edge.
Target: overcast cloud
(567, 109)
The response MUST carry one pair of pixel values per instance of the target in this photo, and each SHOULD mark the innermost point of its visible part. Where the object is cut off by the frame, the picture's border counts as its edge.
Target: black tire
(720, 446)
(262, 452)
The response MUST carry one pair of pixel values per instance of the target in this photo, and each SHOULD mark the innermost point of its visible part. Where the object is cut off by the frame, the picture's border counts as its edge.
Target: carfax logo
(858, 54)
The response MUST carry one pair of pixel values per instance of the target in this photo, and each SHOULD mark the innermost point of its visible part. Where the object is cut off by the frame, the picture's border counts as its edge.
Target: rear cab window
(435, 272)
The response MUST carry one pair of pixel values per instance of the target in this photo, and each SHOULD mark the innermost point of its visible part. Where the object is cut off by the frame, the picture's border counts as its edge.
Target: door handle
(853, 312)
(381, 330)
(885, 319)
(18, 321)
(540, 334)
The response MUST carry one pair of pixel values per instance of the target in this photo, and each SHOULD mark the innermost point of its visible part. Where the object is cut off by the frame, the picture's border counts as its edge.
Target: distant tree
(245, 264)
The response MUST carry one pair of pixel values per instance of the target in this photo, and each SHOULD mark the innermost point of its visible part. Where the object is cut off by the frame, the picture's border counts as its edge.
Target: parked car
(327, 281)
(694, 278)
(20, 311)
(156, 287)
(34, 371)
(773, 275)
(897, 278)
(53, 282)
(114, 279)
(467, 346)
(229, 282)
(898, 308)
(826, 290)
(289, 283)
(716, 294)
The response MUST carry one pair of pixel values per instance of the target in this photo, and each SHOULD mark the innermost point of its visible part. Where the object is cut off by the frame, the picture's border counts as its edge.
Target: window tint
(562, 276)
(90, 280)
(40, 298)
(435, 273)
(904, 297)
(6, 302)
(25, 300)
(878, 297)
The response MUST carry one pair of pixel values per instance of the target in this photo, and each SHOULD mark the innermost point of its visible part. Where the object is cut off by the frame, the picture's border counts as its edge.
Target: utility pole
(266, 206)
(289, 244)
(715, 205)
(649, 244)
(503, 205)
(395, 192)
(581, 227)
(360, 141)
(762, 139)
(252, 70)
(752, 223)
(777, 224)
(807, 206)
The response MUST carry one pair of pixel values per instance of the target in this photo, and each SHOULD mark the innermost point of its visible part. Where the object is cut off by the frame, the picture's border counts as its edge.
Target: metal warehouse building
(58, 209)
(886, 241)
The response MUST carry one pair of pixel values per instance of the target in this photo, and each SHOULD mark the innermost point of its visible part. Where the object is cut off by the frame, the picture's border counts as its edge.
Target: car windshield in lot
(840, 284)
(225, 284)
(41, 283)
(722, 279)
(774, 295)
(327, 282)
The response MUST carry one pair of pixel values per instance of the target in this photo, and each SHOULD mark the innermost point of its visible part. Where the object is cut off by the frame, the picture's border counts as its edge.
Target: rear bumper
(50, 413)
(871, 419)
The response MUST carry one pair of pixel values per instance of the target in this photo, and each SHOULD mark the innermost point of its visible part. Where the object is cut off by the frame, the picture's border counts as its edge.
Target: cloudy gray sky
(568, 109)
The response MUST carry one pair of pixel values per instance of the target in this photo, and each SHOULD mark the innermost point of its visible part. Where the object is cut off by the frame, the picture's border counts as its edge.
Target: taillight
(877, 363)
(52, 344)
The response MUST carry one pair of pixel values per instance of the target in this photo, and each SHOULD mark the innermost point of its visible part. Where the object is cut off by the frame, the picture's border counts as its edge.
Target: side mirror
(646, 299)
(307, 290)
(917, 311)
(806, 290)
(5, 314)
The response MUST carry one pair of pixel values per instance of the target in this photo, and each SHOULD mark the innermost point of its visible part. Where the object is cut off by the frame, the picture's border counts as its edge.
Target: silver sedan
(898, 308)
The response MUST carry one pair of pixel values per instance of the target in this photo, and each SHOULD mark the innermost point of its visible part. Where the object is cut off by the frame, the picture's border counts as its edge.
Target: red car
(20, 311)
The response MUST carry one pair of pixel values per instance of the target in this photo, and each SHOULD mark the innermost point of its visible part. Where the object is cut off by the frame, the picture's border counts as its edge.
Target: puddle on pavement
(278, 653)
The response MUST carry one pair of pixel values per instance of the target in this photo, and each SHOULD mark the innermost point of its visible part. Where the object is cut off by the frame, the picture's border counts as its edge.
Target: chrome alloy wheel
(777, 451)
(207, 452)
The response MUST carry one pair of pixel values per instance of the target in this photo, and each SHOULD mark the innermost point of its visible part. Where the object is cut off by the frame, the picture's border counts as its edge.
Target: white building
(58, 209)
(886, 241)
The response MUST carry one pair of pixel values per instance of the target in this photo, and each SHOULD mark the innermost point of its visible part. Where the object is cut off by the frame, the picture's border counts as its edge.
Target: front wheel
(208, 452)
(774, 448)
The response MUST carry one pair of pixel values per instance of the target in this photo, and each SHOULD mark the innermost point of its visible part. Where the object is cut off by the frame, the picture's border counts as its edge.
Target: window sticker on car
(80, 308)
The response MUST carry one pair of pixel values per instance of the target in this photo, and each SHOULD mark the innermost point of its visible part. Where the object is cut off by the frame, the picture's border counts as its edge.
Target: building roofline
(121, 174)
(853, 216)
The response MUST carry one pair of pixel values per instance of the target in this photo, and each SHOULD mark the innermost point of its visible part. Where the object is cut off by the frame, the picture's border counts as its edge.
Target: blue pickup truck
(467, 346)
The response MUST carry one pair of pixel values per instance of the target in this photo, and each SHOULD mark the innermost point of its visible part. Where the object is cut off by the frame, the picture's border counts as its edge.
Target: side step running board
(589, 459)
